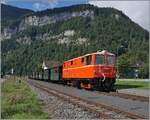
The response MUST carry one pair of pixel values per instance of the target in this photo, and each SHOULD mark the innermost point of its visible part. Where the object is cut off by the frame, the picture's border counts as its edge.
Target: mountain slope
(68, 32)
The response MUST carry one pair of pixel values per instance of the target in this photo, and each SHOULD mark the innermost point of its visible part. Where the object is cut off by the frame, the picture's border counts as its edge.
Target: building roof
(138, 64)
(50, 64)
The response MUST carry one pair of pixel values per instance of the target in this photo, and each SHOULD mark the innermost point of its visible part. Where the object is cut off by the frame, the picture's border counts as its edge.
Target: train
(91, 71)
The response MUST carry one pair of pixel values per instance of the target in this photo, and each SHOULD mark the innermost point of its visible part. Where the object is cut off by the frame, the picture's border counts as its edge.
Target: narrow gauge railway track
(104, 111)
(126, 96)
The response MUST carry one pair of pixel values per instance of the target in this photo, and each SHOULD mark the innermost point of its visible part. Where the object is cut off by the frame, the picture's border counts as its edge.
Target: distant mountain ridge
(10, 12)
(63, 33)
(28, 18)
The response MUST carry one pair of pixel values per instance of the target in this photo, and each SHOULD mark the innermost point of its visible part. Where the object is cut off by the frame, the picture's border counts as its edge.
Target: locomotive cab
(105, 70)
(105, 65)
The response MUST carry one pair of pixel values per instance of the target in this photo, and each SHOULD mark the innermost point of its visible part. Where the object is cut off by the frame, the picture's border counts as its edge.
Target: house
(50, 64)
(135, 69)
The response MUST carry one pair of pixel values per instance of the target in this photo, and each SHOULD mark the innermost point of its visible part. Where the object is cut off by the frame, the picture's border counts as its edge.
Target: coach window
(99, 59)
(88, 59)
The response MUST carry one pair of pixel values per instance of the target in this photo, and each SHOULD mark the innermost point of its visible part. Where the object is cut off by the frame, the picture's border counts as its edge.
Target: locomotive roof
(98, 52)
(103, 52)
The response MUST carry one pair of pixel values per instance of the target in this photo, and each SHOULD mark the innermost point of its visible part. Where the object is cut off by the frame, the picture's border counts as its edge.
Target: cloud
(3, 1)
(138, 11)
(43, 4)
(38, 6)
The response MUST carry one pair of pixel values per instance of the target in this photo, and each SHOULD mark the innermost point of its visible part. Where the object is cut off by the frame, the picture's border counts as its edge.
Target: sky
(138, 11)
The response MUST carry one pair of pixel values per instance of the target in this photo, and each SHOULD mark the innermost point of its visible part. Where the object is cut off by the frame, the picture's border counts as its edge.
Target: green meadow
(19, 102)
(125, 84)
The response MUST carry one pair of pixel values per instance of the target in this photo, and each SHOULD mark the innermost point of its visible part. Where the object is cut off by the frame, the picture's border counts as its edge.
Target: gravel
(60, 109)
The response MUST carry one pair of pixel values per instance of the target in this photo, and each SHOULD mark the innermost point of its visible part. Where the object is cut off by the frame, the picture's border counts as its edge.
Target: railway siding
(137, 107)
(138, 92)
(127, 96)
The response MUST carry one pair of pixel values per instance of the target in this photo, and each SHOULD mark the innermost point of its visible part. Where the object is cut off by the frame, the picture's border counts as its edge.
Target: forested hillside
(68, 32)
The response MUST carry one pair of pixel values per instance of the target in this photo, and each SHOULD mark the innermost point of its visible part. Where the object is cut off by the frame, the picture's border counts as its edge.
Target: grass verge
(125, 84)
(19, 102)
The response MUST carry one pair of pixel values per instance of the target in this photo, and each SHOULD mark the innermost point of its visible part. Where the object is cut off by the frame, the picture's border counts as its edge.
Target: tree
(124, 66)
(144, 71)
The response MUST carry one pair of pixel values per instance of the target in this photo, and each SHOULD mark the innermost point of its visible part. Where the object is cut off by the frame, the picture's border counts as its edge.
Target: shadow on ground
(127, 86)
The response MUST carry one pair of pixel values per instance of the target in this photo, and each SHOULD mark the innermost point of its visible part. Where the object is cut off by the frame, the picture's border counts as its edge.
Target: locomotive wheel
(97, 85)
(113, 86)
(64, 83)
(100, 86)
(78, 84)
(108, 85)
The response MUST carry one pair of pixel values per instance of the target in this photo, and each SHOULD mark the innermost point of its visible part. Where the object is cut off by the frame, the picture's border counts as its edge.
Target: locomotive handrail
(104, 77)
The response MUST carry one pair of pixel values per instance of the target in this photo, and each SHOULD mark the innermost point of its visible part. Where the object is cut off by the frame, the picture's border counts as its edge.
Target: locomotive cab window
(110, 60)
(88, 59)
(71, 62)
(82, 60)
(99, 59)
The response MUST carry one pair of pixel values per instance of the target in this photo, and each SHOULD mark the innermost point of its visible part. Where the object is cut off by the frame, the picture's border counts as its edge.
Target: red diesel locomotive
(95, 70)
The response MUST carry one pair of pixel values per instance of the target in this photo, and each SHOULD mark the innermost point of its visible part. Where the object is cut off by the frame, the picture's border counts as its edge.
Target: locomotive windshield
(99, 59)
(111, 60)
